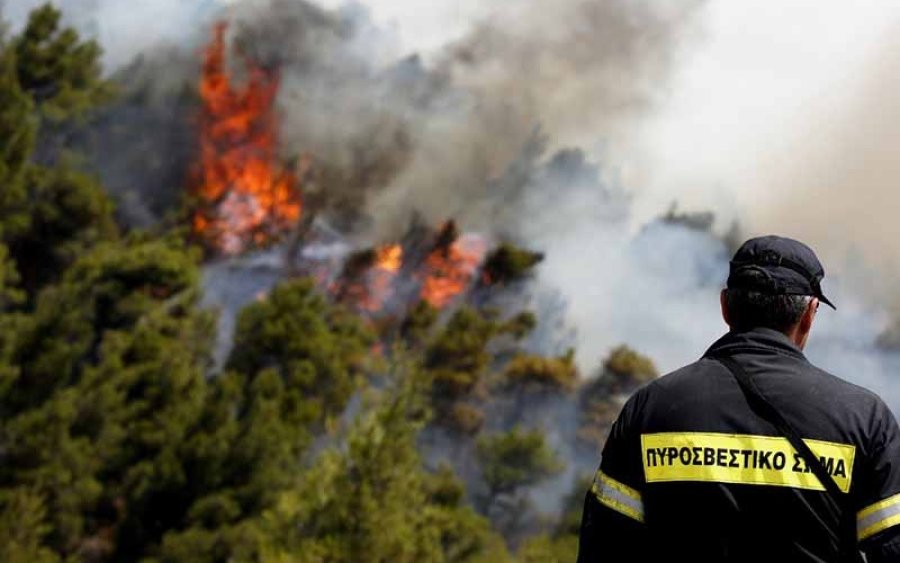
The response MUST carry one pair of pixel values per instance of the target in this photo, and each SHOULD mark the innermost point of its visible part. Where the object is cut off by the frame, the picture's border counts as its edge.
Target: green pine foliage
(68, 214)
(23, 527)
(601, 398)
(418, 323)
(18, 130)
(59, 70)
(49, 214)
(515, 459)
(10, 293)
(316, 349)
(538, 373)
(549, 549)
(509, 263)
(459, 357)
(374, 502)
(625, 363)
(110, 379)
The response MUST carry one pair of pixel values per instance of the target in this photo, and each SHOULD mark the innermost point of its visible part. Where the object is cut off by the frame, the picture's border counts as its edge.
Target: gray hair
(753, 309)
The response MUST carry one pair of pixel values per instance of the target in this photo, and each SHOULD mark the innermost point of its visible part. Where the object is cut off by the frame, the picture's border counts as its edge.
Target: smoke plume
(433, 139)
(838, 184)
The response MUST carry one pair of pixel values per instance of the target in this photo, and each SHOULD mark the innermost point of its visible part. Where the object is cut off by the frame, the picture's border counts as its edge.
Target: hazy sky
(764, 73)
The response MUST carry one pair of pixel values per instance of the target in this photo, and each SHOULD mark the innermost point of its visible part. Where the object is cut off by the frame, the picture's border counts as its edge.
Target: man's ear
(806, 321)
(725, 316)
(801, 331)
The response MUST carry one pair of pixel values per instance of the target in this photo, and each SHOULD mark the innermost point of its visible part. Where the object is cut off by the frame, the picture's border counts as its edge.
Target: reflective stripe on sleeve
(879, 516)
(618, 496)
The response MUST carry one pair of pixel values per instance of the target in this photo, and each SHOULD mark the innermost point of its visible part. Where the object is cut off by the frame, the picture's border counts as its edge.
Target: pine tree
(49, 214)
(317, 349)
(110, 379)
(515, 459)
(59, 71)
(373, 501)
(68, 214)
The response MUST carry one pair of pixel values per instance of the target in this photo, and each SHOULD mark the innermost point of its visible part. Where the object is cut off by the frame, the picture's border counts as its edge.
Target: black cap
(788, 267)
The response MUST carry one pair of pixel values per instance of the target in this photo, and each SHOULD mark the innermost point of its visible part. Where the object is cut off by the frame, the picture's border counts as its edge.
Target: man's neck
(798, 336)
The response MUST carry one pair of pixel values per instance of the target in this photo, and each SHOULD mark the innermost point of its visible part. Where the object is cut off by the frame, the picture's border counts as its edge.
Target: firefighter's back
(691, 472)
(720, 482)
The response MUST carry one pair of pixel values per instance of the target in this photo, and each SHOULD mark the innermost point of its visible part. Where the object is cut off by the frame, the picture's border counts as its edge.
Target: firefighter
(751, 453)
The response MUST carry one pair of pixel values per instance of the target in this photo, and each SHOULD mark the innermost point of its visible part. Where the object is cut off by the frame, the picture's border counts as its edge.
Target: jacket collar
(763, 339)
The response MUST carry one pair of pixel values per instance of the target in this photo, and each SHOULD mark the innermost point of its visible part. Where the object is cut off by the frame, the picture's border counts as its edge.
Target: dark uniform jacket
(691, 473)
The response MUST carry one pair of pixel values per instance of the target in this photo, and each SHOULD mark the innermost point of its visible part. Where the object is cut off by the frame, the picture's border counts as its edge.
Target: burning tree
(451, 265)
(434, 266)
(244, 197)
(367, 277)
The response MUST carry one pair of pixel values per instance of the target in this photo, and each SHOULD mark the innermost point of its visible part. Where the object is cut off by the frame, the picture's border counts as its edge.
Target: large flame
(246, 199)
(449, 269)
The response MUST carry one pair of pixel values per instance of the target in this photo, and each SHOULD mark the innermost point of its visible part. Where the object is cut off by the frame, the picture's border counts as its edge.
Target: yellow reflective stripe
(878, 506)
(879, 516)
(618, 496)
(620, 487)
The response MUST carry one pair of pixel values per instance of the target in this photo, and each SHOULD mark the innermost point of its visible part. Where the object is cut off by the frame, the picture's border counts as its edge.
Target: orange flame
(449, 270)
(388, 261)
(245, 198)
(369, 278)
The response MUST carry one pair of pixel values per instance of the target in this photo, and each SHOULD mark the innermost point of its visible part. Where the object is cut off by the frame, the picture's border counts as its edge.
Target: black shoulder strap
(768, 411)
(771, 414)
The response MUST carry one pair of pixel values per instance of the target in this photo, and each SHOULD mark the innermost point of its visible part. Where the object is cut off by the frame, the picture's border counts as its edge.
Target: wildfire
(246, 199)
(389, 258)
(368, 276)
(402, 274)
(451, 266)
(388, 261)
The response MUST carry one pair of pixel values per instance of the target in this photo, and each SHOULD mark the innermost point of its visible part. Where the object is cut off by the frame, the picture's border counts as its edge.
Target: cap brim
(826, 301)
